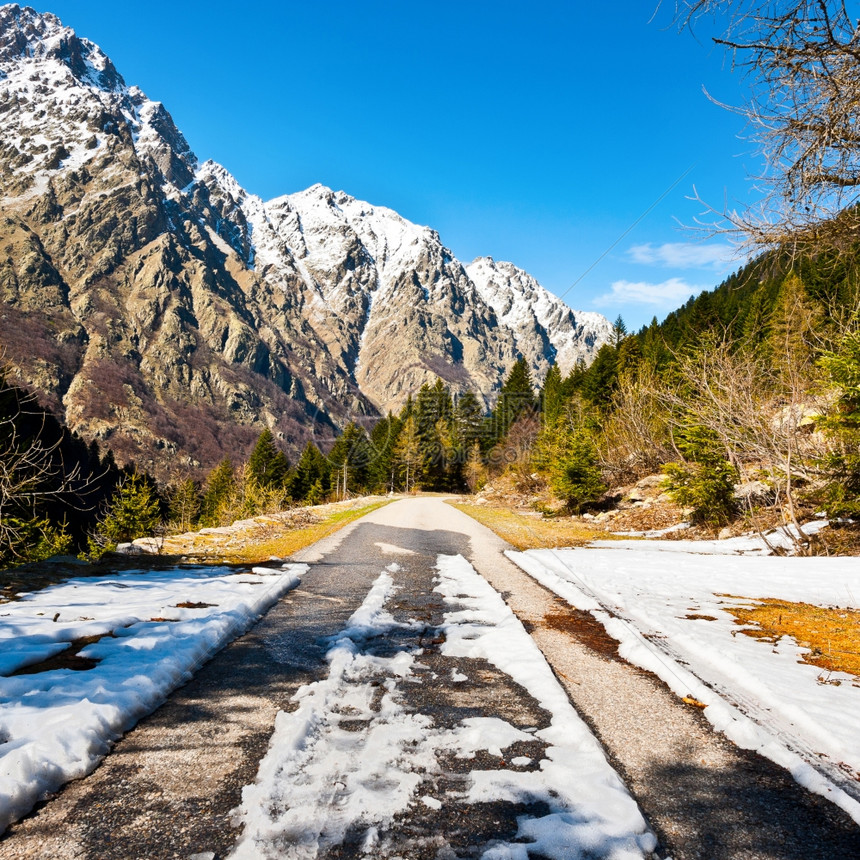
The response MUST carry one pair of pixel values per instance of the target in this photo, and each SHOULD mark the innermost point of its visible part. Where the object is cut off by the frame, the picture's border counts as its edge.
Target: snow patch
(57, 725)
(590, 808)
(760, 694)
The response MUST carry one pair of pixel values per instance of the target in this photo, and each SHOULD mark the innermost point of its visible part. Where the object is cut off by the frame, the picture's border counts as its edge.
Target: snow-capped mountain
(119, 304)
(547, 331)
(158, 305)
(374, 285)
(373, 279)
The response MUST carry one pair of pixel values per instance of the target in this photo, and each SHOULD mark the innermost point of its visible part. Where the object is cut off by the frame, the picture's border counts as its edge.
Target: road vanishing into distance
(419, 696)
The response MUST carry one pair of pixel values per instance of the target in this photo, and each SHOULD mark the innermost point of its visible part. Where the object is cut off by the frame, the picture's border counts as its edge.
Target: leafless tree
(635, 437)
(29, 474)
(763, 418)
(802, 61)
(515, 452)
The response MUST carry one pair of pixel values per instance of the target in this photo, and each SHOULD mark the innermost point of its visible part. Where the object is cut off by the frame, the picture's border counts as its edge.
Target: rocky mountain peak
(26, 33)
(548, 330)
(65, 106)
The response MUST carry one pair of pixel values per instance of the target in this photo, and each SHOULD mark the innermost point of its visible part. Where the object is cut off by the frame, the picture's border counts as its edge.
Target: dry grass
(246, 547)
(286, 543)
(837, 539)
(832, 635)
(532, 532)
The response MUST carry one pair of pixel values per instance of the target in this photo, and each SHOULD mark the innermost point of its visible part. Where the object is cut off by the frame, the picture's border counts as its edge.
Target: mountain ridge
(139, 286)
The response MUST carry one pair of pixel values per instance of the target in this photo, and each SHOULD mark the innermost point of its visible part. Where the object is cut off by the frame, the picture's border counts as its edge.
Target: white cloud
(668, 294)
(684, 255)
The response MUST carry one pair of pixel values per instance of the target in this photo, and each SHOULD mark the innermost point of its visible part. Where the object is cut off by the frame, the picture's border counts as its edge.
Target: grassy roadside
(285, 544)
(278, 535)
(530, 532)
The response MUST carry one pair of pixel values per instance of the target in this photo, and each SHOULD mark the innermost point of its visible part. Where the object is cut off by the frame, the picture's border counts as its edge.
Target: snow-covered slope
(547, 330)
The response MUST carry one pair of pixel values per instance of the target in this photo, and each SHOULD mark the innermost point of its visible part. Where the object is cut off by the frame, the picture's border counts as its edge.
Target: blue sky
(565, 137)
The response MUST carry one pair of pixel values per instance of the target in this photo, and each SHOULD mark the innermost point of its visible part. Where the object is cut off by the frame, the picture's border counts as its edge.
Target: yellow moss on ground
(531, 532)
(832, 635)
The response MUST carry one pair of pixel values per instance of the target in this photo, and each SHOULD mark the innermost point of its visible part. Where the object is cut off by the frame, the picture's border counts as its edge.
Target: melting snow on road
(147, 634)
(670, 612)
(351, 757)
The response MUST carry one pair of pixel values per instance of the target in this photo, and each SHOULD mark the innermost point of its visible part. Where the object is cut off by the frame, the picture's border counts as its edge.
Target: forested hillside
(747, 399)
(753, 385)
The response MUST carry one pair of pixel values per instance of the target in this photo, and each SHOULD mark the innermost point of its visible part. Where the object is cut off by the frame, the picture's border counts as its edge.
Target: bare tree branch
(802, 62)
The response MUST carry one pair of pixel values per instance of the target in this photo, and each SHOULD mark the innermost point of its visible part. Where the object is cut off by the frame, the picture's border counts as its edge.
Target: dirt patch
(837, 539)
(68, 659)
(654, 517)
(586, 628)
(832, 635)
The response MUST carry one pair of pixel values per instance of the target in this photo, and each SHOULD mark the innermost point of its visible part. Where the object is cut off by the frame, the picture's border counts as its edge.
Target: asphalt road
(170, 786)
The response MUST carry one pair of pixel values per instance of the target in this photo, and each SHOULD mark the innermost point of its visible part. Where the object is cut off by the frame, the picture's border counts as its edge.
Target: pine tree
(316, 494)
(407, 453)
(629, 355)
(434, 418)
(574, 381)
(552, 399)
(268, 465)
(133, 512)
(705, 480)
(575, 474)
(312, 471)
(468, 419)
(516, 398)
(842, 425)
(350, 458)
(792, 323)
(474, 470)
(653, 348)
(467, 434)
(383, 439)
(220, 484)
(601, 378)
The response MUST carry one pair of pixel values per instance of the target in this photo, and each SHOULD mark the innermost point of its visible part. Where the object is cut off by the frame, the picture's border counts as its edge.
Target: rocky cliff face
(160, 308)
(121, 304)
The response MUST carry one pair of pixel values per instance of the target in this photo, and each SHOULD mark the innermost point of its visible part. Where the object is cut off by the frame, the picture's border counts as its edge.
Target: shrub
(133, 511)
(36, 540)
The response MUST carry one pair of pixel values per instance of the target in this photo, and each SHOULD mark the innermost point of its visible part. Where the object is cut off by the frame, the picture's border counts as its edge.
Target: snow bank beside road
(670, 613)
(157, 628)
